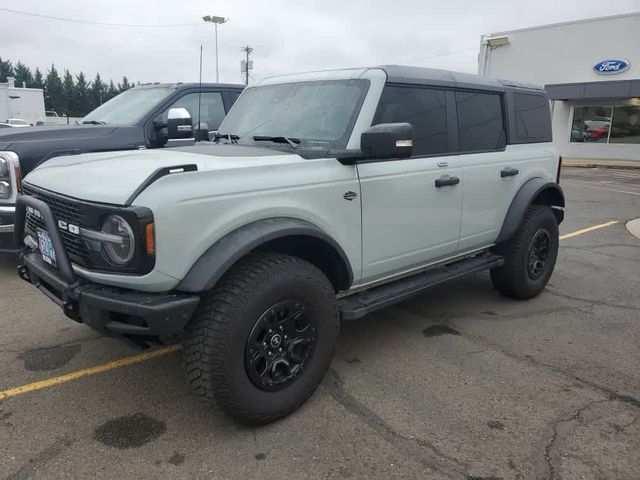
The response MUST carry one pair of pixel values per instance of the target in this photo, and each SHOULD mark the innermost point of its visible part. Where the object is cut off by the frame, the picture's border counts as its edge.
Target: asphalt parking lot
(458, 383)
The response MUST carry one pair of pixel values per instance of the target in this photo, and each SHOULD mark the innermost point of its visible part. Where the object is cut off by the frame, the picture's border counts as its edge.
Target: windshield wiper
(93, 122)
(229, 136)
(277, 139)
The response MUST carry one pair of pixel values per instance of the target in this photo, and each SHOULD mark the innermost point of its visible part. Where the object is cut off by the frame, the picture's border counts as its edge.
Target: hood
(114, 177)
(33, 145)
(10, 135)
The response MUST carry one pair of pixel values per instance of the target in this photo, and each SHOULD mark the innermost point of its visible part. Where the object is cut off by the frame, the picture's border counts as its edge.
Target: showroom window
(606, 124)
(625, 126)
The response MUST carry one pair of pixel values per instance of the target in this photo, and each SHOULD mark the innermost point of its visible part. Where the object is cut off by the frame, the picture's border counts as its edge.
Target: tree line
(66, 93)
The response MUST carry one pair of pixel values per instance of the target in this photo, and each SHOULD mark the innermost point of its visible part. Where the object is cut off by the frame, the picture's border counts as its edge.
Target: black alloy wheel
(538, 254)
(279, 345)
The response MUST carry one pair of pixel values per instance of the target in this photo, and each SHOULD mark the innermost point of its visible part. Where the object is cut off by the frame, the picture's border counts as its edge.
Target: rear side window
(532, 118)
(480, 121)
(423, 108)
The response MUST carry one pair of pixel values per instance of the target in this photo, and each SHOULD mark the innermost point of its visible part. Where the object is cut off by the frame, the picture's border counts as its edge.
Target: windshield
(16, 121)
(319, 114)
(129, 107)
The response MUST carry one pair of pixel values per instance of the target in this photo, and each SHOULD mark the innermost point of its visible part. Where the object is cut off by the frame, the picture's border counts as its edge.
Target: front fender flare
(219, 257)
(535, 190)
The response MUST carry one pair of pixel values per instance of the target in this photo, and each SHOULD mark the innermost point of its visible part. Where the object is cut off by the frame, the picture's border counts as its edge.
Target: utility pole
(216, 21)
(246, 64)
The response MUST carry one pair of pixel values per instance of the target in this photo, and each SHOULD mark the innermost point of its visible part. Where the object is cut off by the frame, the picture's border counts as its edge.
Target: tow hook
(23, 273)
(71, 310)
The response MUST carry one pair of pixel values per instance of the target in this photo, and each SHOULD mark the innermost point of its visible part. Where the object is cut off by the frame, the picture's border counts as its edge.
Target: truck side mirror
(179, 124)
(387, 140)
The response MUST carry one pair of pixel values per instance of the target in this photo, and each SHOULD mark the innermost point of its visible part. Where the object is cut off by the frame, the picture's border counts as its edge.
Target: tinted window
(211, 108)
(424, 108)
(533, 121)
(480, 122)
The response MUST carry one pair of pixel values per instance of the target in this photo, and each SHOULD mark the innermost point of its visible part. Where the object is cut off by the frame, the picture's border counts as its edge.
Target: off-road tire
(513, 279)
(216, 337)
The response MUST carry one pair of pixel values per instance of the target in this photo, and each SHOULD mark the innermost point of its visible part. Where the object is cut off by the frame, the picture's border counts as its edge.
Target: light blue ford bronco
(325, 197)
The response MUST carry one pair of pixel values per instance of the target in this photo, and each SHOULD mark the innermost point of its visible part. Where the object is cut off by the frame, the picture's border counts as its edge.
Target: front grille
(65, 209)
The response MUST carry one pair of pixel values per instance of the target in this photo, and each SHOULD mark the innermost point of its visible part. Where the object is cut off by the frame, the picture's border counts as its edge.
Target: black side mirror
(387, 140)
(179, 124)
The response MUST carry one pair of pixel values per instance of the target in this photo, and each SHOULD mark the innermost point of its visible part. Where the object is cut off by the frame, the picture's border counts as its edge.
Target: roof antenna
(199, 97)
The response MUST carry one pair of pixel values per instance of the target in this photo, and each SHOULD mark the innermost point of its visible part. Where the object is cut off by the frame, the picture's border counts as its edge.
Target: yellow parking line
(123, 362)
(142, 357)
(588, 229)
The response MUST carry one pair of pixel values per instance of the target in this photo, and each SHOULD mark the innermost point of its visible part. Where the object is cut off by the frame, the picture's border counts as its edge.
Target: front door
(407, 220)
(411, 208)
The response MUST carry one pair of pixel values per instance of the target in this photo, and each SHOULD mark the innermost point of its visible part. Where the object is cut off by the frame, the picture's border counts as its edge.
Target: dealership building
(591, 70)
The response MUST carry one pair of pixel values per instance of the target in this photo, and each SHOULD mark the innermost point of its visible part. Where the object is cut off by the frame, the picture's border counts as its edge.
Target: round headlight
(119, 253)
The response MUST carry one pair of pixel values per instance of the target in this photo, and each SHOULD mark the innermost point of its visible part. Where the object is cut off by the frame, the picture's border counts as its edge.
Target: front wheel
(530, 256)
(262, 340)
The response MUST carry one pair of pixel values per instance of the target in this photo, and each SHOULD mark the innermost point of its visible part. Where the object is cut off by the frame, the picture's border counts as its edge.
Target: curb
(618, 166)
(634, 227)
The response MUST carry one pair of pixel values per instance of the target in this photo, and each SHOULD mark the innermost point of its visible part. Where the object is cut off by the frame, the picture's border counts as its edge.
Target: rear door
(410, 216)
(482, 144)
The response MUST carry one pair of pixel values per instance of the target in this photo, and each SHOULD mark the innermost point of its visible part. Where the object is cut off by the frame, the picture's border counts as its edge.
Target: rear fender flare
(534, 191)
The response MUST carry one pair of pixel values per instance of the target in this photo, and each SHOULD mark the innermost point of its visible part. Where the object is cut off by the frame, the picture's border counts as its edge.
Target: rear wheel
(530, 256)
(262, 340)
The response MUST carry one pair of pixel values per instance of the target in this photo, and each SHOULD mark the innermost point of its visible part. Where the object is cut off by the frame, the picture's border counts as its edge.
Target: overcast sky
(287, 36)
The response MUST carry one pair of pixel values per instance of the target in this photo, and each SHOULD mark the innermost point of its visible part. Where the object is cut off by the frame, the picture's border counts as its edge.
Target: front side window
(129, 107)
(591, 124)
(210, 108)
(480, 121)
(423, 108)
(320, 114)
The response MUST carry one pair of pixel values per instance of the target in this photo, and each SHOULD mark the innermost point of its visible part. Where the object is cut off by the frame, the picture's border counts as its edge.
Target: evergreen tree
(6, 70)
(82, 97)
(23, 74)
(112, 91)
(68, 93)
(65, 95)
(125, 85)
(38, 81)
(97, 92)
(54, 93)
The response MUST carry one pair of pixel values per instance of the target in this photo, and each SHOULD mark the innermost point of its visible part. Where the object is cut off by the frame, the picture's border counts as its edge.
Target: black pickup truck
(134, 119)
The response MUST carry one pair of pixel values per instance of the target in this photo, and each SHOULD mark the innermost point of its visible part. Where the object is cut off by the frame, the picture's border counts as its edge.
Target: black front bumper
(110, 310)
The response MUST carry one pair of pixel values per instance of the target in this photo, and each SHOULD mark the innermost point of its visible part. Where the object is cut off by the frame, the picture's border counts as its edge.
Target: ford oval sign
(611, 67)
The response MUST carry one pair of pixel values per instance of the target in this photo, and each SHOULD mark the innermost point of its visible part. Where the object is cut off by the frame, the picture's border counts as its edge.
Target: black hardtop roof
(180, 85)
(447, 78)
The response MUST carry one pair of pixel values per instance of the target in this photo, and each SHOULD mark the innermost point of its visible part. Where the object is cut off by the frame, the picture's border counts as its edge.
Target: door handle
(446, 181)
(509, 172)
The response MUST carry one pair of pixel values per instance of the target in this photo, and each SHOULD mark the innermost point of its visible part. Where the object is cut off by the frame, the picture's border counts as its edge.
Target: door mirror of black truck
(179, 124)
(387, 140)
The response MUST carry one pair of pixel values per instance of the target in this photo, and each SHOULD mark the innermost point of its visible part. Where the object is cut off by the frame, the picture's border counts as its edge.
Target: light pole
(216, 20)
